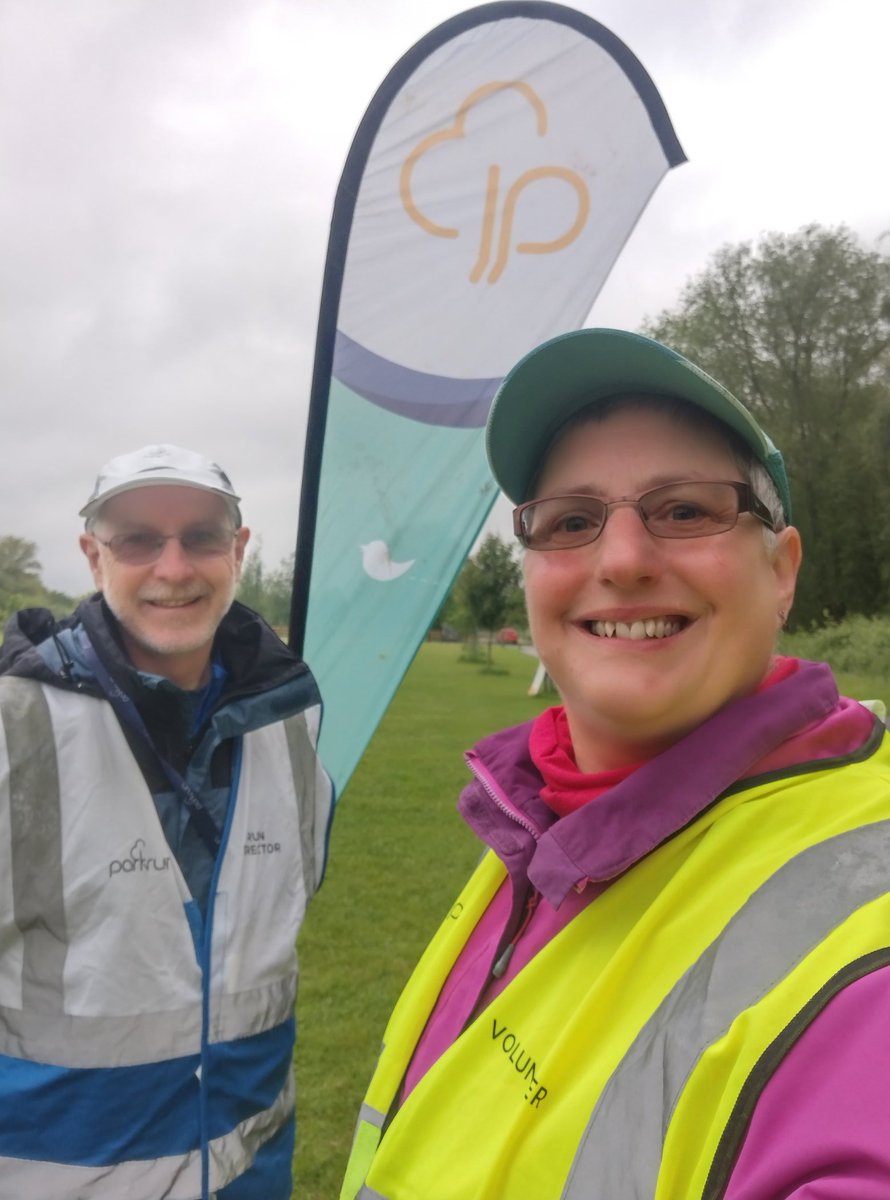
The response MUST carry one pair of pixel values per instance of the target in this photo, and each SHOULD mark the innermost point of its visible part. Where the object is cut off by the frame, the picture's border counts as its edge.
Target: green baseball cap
(557, 379)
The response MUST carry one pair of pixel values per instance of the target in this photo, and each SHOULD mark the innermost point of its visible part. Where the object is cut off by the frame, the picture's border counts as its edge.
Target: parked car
(507, 637)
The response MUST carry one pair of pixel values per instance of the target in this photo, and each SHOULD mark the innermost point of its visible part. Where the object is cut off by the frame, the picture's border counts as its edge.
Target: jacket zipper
(207, 966)
(503, 960)
(491, 790)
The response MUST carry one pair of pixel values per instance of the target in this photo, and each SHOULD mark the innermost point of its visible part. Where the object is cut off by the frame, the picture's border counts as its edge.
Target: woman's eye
(685, 512)
(573, 523)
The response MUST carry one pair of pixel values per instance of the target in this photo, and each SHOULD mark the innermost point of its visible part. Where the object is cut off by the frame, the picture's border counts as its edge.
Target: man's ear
(90, 546)
(242, 537)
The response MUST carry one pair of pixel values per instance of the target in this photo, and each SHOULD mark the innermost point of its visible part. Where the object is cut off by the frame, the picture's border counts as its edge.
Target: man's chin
(168, 634)
(170, 643)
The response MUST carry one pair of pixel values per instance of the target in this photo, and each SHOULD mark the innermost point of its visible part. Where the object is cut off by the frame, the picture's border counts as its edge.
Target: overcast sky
(167, 169)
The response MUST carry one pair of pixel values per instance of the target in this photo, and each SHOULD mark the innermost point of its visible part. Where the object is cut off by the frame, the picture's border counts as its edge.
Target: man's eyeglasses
(677, 510)
(144, 546)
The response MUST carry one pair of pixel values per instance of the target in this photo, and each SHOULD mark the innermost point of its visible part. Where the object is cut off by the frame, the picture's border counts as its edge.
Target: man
(164, 821)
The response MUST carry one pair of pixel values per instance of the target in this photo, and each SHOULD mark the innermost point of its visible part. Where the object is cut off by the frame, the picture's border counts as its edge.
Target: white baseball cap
(157, 465)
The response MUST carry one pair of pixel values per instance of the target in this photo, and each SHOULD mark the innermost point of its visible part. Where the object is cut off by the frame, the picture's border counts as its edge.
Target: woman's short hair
(750, 469)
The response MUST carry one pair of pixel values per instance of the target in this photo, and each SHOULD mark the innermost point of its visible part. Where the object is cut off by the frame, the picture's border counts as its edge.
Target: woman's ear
(786, 564)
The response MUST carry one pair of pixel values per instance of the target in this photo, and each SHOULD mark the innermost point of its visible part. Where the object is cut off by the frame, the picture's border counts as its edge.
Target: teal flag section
(495, 177)
(407, 534)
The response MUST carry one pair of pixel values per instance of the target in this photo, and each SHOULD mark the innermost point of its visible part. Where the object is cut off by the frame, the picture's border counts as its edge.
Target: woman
(669, 975)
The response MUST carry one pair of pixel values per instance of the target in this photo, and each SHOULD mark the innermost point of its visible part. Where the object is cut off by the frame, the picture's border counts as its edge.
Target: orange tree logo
(493, 241)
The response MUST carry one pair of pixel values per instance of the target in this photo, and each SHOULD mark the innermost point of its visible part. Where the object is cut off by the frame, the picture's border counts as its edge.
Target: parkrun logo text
(498, 215)
(137, 862)
(522, 1061)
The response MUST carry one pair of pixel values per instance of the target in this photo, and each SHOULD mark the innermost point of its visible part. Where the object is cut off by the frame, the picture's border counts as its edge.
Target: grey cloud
(168, 169)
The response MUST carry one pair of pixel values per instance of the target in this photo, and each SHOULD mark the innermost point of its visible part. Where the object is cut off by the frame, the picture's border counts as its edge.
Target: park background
(169, 171)
(798, 326)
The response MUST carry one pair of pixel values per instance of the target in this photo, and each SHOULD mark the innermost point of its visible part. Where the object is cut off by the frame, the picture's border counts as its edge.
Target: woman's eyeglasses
(676, 510)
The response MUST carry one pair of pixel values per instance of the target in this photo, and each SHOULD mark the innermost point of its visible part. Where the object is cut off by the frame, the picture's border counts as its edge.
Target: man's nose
(173, 561)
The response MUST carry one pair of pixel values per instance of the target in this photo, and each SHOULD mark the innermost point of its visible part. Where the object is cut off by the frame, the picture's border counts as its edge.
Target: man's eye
(137, 541)
(199, 538)
(207, 541)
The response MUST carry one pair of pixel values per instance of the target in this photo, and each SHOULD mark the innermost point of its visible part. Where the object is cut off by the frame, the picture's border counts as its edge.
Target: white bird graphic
(379, 565)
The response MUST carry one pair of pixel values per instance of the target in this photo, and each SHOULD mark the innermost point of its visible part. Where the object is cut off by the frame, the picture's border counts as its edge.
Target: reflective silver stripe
(255, 1009)
(375, 1118)
(36, 833)
(314, 793)
(75, 1041)
(155, 1179)
(232, 1155)
(67, 1041)
(620, 1153)
(173, 1178)
(371, 1116)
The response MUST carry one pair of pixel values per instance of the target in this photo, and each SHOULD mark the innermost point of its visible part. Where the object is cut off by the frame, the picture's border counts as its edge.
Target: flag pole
(332, 286)
(319, 392)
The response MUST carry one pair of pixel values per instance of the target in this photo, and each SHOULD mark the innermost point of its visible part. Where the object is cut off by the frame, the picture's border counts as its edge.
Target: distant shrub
(854, 645)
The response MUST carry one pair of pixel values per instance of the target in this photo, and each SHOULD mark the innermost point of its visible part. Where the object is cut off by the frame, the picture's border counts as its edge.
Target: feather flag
(492, 182)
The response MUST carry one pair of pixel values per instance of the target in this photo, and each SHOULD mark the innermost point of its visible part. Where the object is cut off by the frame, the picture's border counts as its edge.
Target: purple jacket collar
(602, 839)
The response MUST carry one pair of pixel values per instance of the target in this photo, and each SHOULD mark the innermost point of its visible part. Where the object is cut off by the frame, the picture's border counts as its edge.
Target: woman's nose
(626, 551)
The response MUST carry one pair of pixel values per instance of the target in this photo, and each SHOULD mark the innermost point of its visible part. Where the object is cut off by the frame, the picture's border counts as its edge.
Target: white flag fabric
(490, 187)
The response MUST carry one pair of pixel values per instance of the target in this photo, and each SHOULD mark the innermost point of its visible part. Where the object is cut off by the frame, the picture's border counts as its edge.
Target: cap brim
(559, 378)
(155, 480)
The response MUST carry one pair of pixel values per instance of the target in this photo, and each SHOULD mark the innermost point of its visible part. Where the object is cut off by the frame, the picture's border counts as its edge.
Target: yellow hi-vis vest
(623, 1061)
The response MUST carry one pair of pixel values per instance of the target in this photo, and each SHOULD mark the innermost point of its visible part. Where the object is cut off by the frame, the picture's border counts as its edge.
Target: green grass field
(399, 855)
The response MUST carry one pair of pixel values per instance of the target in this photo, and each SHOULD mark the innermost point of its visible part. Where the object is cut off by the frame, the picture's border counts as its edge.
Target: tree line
(267, 590)
(797, 326)
(21, 585)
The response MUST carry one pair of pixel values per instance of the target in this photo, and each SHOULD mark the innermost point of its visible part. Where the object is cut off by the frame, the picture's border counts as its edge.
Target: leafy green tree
(487, 594)
(279, 586)
(798, 327)
(251, 586)
(268, 592)
(20, 582)
(19, 567)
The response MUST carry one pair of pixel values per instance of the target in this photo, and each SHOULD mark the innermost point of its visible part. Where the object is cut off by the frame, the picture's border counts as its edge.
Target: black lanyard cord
(127, 712)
